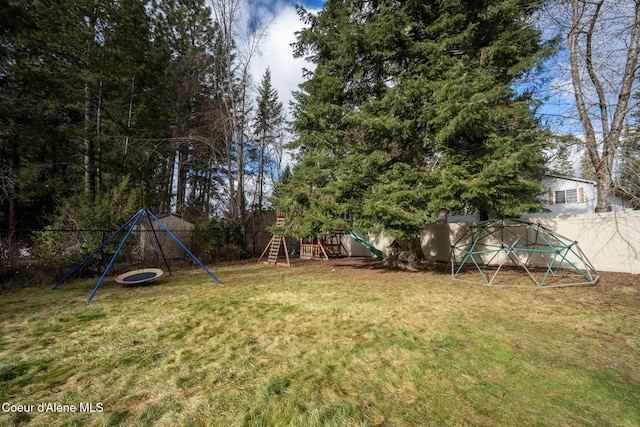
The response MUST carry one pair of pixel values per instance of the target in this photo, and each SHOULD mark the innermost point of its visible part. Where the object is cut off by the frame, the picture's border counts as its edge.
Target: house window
(568, 196)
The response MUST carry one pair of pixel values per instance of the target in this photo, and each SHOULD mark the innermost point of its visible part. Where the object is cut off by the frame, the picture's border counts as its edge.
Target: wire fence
(40, 255)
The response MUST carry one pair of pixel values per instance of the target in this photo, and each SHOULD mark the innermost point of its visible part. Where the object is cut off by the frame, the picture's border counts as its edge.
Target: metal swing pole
(79, 266)
(153, 230)
(184, 247)
(106, 270)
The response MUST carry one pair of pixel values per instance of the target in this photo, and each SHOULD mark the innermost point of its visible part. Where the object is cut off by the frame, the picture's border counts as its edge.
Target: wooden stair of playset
(274, 249)
(275, 244)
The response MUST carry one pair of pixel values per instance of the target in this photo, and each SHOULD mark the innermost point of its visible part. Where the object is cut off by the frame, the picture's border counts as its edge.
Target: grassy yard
(321, 344)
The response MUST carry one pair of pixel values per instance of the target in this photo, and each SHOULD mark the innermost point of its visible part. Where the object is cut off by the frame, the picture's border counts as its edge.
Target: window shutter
(550, 197)
(580, 195)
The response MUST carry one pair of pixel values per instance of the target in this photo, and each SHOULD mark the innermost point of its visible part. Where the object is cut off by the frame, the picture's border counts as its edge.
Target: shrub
(219, 240)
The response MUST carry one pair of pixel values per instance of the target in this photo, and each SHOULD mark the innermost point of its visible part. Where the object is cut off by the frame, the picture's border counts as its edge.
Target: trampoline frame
(124, 278)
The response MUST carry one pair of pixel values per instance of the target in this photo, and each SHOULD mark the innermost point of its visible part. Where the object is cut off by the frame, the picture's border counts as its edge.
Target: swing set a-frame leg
(131, 223)
(96, 250)
(155, 236)
(115, 255)
(173, 236)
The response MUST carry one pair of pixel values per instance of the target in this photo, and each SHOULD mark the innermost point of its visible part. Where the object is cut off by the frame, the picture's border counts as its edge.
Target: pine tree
(410, 111)
(79, 79)
(560, 162)
(627, 174)
(186, 28)
(37, 115)
(268, 131)
(587, 171)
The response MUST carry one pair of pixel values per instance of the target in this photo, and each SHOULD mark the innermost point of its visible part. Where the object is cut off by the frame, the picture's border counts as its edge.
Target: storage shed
(180, 227)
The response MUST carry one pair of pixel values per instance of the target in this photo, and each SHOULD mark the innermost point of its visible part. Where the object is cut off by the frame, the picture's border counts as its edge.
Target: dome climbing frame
(498, 252)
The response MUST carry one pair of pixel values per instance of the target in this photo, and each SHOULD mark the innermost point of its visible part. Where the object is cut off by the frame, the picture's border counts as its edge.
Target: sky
(276, 51)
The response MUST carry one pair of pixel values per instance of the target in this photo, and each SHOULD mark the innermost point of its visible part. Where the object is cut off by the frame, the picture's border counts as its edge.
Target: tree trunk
(168, 190)
(604, 190)
(181, 190)
(601, 154)
(240, 165)
(261, 173)
(230, 176)
(14, 165)
(89, 147)
(239, 142)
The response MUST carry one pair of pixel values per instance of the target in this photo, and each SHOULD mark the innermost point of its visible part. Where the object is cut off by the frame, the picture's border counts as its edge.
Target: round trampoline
(139, 276)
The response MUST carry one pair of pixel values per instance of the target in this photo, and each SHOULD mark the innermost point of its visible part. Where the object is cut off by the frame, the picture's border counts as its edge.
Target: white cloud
(277, 54)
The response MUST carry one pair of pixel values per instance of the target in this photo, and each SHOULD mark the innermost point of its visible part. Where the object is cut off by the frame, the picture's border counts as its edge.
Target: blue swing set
(137, 276)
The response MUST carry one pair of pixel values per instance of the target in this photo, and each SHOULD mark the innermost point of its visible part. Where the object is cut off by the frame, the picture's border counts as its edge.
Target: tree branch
(583, 111)
(602, 100)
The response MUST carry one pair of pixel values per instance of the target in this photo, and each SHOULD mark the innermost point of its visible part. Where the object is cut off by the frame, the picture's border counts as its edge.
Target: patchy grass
(340, 343)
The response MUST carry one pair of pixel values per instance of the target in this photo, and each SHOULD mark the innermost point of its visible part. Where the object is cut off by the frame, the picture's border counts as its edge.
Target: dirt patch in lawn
(360, 268)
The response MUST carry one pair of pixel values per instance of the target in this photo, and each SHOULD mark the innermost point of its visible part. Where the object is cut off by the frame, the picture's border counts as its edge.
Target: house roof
(172, 215)
(570, 178)
(621, 192)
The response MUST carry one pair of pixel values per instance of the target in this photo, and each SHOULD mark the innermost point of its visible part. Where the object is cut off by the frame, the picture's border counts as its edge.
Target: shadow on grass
(436, 267)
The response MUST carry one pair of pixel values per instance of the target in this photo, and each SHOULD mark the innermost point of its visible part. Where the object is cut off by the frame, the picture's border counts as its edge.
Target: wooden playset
(318, 247)
(274, 245)
(322, 247)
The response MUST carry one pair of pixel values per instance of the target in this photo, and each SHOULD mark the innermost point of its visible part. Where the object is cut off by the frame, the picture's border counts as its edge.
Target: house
(570, 196)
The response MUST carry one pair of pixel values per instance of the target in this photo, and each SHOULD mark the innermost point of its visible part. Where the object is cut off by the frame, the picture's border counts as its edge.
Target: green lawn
(324, 344)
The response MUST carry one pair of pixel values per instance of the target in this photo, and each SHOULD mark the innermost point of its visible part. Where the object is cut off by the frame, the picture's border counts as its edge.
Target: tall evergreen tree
(411, 110)
(81, 81)
(190, 34)
(627, 173)
(587, 171)
(137, 105)
(560, 159)
(38, 117)
(268, 124)
(93, 91)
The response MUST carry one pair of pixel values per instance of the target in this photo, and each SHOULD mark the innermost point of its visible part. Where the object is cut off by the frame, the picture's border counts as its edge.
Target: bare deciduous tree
(603, 40)
(241, 33)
